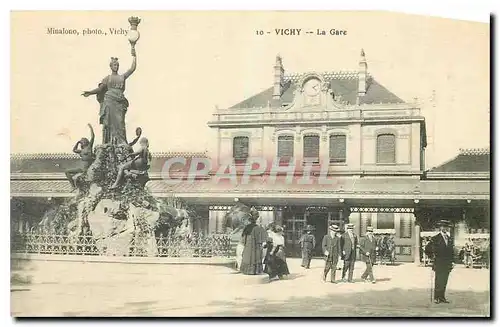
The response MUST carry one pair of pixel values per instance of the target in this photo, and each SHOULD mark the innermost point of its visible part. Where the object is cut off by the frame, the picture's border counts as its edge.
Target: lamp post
(133, 33)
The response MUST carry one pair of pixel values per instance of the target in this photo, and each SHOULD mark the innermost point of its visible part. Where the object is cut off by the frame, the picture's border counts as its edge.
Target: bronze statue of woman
(113, 104)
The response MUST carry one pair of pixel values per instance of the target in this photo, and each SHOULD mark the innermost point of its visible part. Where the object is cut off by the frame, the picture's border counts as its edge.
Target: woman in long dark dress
(252, 239)
(276, 265)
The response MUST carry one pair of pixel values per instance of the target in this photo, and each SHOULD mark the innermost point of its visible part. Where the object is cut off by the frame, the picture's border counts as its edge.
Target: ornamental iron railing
(194, 245)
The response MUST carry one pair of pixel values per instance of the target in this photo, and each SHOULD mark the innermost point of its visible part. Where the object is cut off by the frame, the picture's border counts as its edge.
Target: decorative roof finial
(278, 59)
(362, 52)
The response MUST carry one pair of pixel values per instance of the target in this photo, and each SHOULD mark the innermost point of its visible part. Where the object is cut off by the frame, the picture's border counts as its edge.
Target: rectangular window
(338, 148)
(285, 148)
(385, 220)
(386, 149)
(240, 149)
(405, 226)
(311, 148)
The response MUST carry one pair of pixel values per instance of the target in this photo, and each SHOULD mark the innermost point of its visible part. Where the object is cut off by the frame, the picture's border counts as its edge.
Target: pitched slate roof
(468, 161)
(344, 83)
(59, 162)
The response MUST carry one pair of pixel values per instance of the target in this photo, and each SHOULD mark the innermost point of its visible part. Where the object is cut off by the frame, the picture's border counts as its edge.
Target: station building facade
(372, 144)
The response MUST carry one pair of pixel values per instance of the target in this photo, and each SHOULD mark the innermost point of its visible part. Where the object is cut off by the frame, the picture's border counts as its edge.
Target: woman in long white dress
(239, 252)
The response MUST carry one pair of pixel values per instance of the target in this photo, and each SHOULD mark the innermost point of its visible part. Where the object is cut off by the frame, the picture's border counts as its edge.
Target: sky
(191, 62)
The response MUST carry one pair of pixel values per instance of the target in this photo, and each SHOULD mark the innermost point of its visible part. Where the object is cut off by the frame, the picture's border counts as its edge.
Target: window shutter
(285, 146)
(386, 148)
(385, 220)
(311, 148)
(338, 148)
(240, 148)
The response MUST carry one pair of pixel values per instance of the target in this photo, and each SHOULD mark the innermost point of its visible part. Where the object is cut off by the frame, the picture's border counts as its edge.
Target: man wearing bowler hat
(348, 245)
(331, 250)
(307, 244)
(440, 248)
(367, 248)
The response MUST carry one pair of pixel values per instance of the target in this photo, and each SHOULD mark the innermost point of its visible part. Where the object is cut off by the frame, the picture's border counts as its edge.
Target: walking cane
(432, 282)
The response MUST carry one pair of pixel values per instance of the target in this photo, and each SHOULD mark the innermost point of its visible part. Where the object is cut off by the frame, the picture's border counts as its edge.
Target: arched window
(285, 148)
(386, 148)
(240, 149)
(338, 148)
(311, 148)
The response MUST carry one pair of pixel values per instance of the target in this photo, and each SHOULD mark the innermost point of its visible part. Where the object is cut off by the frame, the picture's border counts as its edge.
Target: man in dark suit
(331, 250)
(440, 248)
(367, 248)
(307, 244)
(348, 245)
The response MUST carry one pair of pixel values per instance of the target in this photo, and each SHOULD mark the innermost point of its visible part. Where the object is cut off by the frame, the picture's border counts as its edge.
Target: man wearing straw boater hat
(307, 244)
(331, 250)
(367, 247)
(440, 248)
(348, 245)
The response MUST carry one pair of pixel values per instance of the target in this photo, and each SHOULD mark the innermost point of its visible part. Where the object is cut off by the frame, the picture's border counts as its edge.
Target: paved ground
(42, 288)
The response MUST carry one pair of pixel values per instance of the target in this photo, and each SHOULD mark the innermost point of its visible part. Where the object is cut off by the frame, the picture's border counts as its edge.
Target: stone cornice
(304, 122)
(328, 195)
(267, 116)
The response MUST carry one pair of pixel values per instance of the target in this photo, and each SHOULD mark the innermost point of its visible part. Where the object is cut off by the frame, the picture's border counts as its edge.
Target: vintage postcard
(249, 164)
